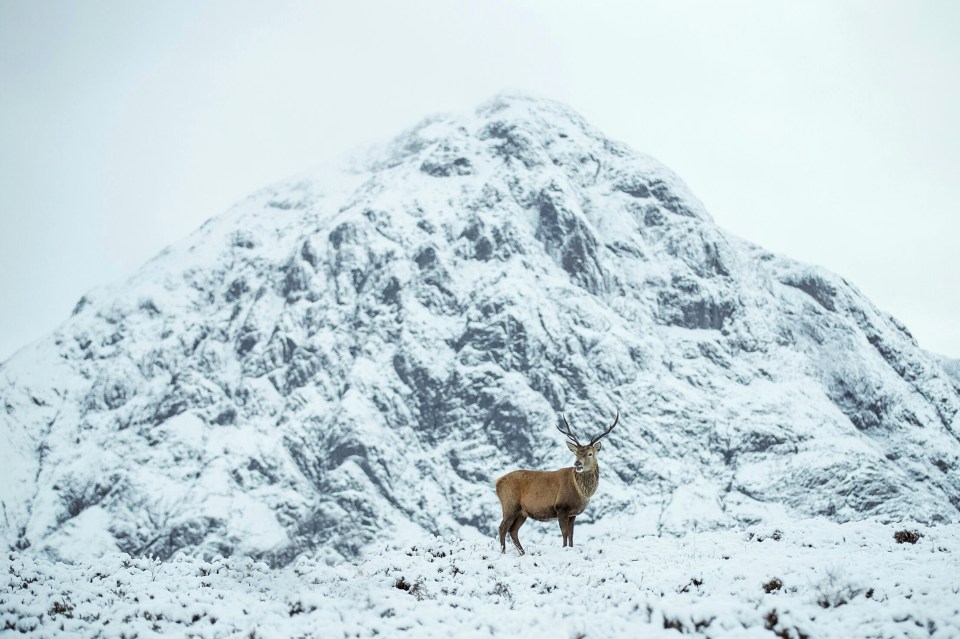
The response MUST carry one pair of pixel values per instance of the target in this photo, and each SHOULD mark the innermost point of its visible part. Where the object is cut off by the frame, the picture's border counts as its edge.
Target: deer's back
(536, 491)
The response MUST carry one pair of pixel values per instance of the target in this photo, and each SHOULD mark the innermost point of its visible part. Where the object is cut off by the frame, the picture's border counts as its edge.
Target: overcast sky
(827, 131)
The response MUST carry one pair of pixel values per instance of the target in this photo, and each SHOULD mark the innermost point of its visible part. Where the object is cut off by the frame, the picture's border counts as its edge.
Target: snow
(86, 535)
(349, 358)
(813, 578)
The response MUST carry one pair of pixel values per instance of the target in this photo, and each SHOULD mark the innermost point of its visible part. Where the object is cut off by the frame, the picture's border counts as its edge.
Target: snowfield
(810, 579)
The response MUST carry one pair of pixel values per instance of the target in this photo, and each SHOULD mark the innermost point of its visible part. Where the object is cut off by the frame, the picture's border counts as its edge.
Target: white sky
(827, 131)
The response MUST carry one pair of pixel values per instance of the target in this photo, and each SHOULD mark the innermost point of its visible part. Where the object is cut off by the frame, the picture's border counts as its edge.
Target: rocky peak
(350, 359)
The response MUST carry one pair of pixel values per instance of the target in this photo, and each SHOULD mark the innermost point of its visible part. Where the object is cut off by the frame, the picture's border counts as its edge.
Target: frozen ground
(824, 580)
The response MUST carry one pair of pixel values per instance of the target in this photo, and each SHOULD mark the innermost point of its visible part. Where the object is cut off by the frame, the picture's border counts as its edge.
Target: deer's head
(586, 454)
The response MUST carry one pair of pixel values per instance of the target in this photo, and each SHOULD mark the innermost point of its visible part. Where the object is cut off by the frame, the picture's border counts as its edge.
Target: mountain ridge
(354, 357)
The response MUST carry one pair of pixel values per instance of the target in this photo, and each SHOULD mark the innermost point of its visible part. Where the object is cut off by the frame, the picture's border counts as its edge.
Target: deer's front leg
(563, 518)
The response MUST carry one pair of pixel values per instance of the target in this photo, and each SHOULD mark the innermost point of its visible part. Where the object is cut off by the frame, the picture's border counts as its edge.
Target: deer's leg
(514, 529)
(509, 518)
(570, 530)
(564, 520)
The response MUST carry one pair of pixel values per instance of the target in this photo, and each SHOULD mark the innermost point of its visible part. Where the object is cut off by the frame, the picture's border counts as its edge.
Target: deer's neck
(587, 482)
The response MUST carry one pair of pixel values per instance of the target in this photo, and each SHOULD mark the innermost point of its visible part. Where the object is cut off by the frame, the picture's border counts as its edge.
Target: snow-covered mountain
(351, 359)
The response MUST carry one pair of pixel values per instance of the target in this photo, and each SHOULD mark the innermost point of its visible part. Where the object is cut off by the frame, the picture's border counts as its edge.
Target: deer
(546, 495)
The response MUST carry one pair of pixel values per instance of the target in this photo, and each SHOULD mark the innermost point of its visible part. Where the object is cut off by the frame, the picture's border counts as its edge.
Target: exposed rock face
(338, 362)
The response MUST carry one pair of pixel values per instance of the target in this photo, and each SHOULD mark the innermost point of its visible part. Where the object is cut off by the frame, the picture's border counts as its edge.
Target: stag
(551, 494)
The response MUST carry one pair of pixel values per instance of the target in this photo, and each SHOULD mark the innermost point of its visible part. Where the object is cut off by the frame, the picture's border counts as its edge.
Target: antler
(569, 431)
(606, 432)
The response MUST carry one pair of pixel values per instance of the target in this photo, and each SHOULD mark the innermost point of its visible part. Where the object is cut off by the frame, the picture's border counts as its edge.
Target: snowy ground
(824, 580)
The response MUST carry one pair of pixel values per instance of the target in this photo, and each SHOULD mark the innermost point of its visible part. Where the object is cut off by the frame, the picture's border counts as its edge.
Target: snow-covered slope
(814, 579)
(351, 359)
(951, 366)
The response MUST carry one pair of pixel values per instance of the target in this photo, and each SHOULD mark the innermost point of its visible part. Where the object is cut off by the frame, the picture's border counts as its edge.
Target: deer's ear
(571, 446)
(596, 447)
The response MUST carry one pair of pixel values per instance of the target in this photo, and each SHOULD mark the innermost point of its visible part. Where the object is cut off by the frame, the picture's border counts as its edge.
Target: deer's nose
(578, 465)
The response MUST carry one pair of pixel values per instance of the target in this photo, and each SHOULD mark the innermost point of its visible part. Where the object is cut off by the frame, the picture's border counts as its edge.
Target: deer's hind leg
(514, 529)
(509, 519)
